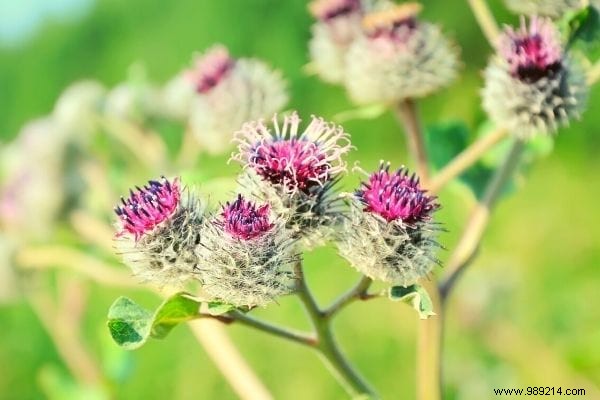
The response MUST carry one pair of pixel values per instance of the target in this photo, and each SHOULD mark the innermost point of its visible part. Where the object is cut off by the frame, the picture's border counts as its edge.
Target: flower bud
(390, 235)
(398, 57)
(219, 93)
(247, 255)
(295, 171)
(158, 232)
(338, 24)
(547, 8)
(531, 86)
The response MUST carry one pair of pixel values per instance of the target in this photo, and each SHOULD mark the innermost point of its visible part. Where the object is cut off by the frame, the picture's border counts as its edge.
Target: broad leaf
(415, 296)
(583, 26)
(444, 142)
(131, 325)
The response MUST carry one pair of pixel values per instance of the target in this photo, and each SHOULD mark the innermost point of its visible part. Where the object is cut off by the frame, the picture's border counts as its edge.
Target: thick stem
(358, 292)
(407, 113)
(486, 20)
(429, 350)
(327, 346)
(468, 243)
(284, 333)
(466, 159)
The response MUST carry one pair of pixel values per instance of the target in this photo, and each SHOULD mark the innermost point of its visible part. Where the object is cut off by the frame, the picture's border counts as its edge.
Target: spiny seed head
(285, 157)
(547, 8)
(210, 69)
(531, 85)
(398, 56)
(396, 196)
(247, 255)
(244, 220)
(149, 206)
(165, 255)
(326, 10)
(295, 172)
(389, 234)
(532, 52)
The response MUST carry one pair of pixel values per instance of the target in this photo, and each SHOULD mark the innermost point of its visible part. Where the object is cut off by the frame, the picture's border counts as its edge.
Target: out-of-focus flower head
(77, 109)
(158, 229)
(531, 85)
(219, 93)
(337, 25)
(247, 255)
(134, 101)
(32, 189)
(546, 8)
(398, 56)
(390, 235)
(295, 170)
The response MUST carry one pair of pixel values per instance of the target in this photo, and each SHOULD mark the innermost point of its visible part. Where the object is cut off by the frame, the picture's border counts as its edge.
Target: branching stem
(486, 20)
(407, 114)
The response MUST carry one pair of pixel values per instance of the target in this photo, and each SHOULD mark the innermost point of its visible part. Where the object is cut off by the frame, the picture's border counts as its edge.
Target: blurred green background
(525, 314)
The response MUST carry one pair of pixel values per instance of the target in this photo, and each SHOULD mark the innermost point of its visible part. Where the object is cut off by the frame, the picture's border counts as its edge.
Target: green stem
(465, 250)
(281, 332)
(358, 292)
(327, 346)
(407, 114)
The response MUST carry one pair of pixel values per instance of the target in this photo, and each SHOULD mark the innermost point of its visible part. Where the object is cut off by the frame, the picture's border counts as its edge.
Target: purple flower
(532, 52)
(396, 196)
(293, 160)
(245, 220)
(326, 10)
(148, 206)
(210, 69)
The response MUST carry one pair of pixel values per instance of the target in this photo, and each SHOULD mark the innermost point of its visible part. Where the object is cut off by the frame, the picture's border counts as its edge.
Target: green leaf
(414, 295)
(130, 325)
(218, 308)
(178, 308)
(583, 25)
(367, 112)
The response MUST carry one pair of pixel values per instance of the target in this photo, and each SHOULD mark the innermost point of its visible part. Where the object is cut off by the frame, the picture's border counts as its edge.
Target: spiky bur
(390, 234)
(546, 8)
(247, 255)
(295, 172)
(531, 85)
(219, 93)
(159, 228)
(398, 56)
(337, 25)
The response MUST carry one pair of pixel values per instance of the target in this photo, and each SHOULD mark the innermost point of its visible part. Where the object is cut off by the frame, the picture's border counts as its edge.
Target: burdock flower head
(295, 171)
(247, 255)
(531, 86)
(398, 56)
(337, 25)
(158, 230)
(390, 235)
(219, 93)
(547, 8)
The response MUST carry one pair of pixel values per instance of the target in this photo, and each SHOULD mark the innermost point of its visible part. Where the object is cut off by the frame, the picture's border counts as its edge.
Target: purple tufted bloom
(293, 160)
(245, 220)
(396, 196)
(532, 52)
(148, 206)
(395, 24)
(210, 69)
(327, 10)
